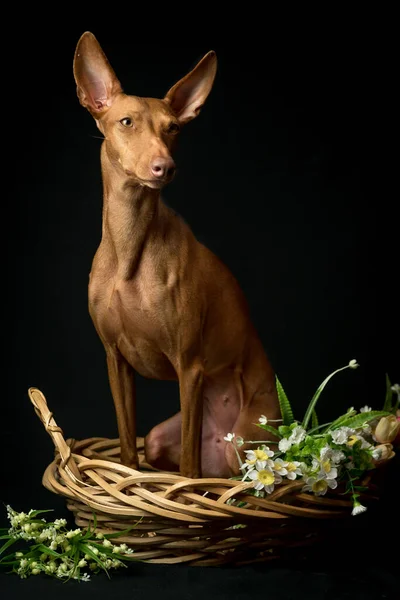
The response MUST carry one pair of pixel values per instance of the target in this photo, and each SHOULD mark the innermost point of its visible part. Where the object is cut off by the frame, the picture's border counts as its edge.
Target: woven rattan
(179, 520)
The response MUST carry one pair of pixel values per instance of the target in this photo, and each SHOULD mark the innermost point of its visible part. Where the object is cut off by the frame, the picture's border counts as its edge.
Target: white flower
(85, 577)
(319, 486)
(284, 444)
(73, 532)
(353, 364)
(298, 434)
(293, 469)
(264, 478)
(376, 453)
(396, 388)
(263, 420)
(358, 509)
(229, 437)
(365, 409)
(60, 523)
(239, 441)
(262, 453)
(279, 466)
(328, 453)
(82, 563)
(341, 435)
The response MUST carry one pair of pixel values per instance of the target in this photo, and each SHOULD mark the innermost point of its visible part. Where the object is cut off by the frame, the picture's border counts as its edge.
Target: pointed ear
(97, 84)
(187, 97)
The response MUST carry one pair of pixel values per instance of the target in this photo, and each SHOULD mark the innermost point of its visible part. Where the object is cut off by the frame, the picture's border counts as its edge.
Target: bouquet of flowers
(341, 451)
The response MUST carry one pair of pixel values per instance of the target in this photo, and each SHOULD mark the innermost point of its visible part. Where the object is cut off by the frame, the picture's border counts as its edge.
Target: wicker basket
(179, 520)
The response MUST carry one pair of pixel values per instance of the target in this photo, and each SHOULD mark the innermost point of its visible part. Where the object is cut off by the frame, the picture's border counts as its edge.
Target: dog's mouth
(155, 183)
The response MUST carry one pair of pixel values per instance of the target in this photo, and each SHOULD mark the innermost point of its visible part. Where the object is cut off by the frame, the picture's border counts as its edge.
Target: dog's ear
(97, 84)
(187, 97)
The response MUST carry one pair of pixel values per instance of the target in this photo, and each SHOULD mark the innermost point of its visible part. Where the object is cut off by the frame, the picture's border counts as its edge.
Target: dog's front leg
(122, 384)
(191, 399)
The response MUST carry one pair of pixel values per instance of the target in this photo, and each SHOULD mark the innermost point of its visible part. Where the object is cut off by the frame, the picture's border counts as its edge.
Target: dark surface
(276, 177)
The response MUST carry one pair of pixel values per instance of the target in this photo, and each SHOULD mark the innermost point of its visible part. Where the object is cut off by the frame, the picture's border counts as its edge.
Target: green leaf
(314, 420)
(9, 543)
(35, 513)
(270, 429)
(94, 556)
(389, 395)
(314, 399)
(338, 422)
(109, 536)
(358, 420)
(286, 409)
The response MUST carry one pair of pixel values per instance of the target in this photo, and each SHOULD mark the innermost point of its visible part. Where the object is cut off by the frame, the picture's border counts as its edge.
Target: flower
(365, 409)
(263, 420)
(353, 364)
(279, 466)
(229, 437)
(395, 388)
(284, 444)
(328, 453)
(263, 453)
(239, 441)
(319, 486)
(387, 429)
(382, 452)
(264, 478)
(297, 435)
(293, 469)
(358, 508)
(341, 435)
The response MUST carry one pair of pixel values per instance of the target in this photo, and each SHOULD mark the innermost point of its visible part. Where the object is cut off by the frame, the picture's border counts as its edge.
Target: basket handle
(40, 405)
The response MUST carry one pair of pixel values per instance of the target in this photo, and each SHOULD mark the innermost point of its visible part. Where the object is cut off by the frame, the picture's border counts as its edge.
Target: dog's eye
(126, 122)
(173, 128)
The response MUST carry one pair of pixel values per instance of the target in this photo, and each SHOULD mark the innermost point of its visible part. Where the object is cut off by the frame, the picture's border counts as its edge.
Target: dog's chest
(132, 315)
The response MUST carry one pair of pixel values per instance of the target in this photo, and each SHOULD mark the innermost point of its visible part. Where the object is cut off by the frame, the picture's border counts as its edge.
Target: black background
(277, 176)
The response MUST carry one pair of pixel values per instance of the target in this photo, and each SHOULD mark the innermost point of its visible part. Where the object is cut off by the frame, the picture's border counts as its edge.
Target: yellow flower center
(291, 467)
(352, 440)
(266, 477)
(326, 465)
(319, 486)
(259, 455)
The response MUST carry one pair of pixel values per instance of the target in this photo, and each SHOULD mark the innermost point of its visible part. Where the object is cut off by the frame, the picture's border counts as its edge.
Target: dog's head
(139, 132)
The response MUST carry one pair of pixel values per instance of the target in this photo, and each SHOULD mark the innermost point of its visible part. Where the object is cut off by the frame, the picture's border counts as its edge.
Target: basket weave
(179, 520)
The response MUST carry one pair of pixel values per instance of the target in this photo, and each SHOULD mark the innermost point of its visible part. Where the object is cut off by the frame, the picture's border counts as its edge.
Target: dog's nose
(162, 167)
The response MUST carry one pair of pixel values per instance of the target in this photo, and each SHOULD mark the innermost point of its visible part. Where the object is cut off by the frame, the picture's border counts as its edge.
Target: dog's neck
(130, 210)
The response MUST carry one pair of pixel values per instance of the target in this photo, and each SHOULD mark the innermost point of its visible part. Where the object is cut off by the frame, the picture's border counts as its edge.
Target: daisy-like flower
(229, 437)
(263, 453)
(327, 469)
(263, 420)
(341, 435)
(293, 469)
(365, 409)
(319, 486)
(264, 478)
(358, 508)
(278, 466)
